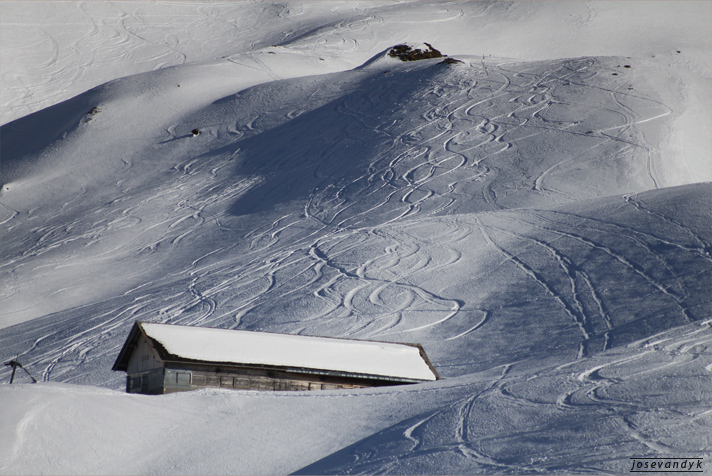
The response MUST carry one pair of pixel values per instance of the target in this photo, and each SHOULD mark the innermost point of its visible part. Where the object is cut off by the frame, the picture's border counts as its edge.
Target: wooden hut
(163, 358)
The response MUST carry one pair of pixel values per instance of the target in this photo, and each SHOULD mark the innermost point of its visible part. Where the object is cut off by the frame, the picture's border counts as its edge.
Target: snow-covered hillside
(536, 214)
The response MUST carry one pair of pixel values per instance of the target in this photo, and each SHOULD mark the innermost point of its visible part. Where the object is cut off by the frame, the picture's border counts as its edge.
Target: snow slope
(587, 416)
(45, 62)
(535, 215)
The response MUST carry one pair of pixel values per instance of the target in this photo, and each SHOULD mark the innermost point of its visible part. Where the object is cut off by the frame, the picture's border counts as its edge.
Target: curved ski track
(342, 260)
(517, 421)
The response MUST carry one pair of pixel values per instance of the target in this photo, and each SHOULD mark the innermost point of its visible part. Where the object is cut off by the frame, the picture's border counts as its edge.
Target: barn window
(135, 383)
(226, 381)
(182, 378)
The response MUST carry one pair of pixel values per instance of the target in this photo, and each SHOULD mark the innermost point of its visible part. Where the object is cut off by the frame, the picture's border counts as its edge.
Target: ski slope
(535, 214)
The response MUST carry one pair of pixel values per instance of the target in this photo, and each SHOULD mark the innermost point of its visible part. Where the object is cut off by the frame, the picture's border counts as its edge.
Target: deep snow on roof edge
(297, 351)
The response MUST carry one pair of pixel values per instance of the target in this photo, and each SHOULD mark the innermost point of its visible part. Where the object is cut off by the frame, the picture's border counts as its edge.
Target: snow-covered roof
(227, 346)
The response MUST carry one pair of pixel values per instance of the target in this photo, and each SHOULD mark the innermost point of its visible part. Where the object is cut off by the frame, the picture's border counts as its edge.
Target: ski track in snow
(465, 131)
(451, 205)
(112, 40)
(467, 435)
